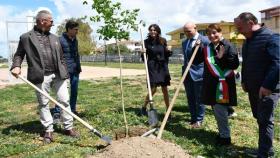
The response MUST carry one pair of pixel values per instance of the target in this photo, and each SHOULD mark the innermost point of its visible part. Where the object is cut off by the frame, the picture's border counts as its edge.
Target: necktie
(190, 44)
(189, 48)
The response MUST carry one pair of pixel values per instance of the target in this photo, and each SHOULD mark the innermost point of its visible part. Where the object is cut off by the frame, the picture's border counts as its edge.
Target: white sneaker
(232, 115)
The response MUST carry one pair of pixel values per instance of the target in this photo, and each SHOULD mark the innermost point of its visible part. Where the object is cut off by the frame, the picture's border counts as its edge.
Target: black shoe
(254, 153)
(76, 113)
(223, 141)
(192, 122)
(143, 112)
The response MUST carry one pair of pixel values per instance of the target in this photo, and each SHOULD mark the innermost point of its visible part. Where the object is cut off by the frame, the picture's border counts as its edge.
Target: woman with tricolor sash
(219, 88)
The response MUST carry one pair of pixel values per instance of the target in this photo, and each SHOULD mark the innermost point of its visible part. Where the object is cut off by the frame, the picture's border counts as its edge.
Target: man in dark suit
(193, 81)
(260, 76)
(46, 69)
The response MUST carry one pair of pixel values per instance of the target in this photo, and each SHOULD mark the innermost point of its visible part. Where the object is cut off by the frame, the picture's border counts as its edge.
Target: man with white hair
(46, 69)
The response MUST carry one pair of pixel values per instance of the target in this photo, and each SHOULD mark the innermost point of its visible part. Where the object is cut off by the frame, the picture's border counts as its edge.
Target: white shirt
(194, 39)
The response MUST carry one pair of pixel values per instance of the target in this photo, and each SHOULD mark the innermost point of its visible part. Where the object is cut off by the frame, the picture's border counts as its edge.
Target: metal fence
(177, 59)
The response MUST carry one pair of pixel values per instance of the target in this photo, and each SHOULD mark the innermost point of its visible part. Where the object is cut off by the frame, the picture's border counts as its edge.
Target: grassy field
(100, 104)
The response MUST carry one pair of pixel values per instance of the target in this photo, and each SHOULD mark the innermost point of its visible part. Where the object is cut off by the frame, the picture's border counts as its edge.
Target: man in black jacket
(260, 76)
(46, 69)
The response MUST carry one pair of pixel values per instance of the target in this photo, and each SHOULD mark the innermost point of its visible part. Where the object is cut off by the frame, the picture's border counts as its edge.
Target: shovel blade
(153, 117)
(104, 138)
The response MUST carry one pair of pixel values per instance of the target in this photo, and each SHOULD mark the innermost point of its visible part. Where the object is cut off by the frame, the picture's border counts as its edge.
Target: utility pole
(105, 52)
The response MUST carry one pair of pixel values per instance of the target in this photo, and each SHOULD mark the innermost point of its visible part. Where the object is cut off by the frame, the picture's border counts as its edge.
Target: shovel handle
(57, 103)
(146, 68)
(176, 93)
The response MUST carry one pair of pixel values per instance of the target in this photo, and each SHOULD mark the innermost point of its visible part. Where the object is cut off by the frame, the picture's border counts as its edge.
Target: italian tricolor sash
(222, 95)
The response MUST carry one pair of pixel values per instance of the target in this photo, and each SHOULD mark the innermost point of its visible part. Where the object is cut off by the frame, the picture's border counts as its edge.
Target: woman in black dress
(157, 60)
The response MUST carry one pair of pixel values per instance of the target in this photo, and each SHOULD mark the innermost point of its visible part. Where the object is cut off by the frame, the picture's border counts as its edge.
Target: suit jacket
(29, 46)
(196, 69)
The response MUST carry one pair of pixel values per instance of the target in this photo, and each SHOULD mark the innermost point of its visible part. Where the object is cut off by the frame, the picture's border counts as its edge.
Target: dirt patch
(3, 86)
(143, 147)
(132, 132)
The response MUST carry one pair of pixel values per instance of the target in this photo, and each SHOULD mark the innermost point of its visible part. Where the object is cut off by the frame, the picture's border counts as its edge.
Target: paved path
(88, 72)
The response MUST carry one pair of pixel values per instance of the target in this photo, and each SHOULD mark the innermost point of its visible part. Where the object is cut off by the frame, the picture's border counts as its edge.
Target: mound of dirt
(136, 147)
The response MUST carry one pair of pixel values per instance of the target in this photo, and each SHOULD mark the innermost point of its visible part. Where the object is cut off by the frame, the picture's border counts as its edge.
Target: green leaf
(85, 3)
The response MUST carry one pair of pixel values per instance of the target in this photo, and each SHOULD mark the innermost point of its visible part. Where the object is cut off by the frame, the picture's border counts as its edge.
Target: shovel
(152, 113)
(149, 132)
(104, 138)
(177, 91)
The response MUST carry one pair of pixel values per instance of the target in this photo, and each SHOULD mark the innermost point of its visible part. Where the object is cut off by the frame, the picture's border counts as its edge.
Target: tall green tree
(86, 43)
(117, 24)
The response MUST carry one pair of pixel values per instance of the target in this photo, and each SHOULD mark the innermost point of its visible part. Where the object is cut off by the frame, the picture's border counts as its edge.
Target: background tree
(117, 24)
(112, 49)
(86, 43)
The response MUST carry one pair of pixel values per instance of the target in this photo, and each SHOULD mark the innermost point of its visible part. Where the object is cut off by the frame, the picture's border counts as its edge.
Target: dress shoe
(72, 133)
(191, 122)
(48, 137)
(76, 113)
(143, 112)
(254, 153)
(223, 141)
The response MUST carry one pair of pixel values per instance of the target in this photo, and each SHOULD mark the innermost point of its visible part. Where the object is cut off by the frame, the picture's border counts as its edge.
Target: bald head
(190, 29)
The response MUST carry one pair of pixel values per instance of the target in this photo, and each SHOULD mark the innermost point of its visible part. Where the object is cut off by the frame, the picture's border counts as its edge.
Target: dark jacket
(196, 69)
(261, 62)
(71, 54)
(29, 46)
(158, 56)
(210, 82)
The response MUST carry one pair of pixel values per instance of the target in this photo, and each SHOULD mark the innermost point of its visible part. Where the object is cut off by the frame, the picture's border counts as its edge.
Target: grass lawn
(100, 104)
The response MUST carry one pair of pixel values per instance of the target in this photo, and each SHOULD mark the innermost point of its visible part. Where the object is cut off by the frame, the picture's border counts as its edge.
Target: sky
(170, 15)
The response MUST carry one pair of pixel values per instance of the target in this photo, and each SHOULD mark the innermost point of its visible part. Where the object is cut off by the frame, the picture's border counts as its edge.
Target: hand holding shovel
(104, 138)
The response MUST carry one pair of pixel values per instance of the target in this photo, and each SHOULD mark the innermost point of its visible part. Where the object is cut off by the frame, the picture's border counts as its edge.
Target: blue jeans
(193, 91)
(262, 110)
(74, 82)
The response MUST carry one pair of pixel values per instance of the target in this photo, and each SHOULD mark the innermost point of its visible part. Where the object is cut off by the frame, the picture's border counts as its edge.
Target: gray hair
(43, 14)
